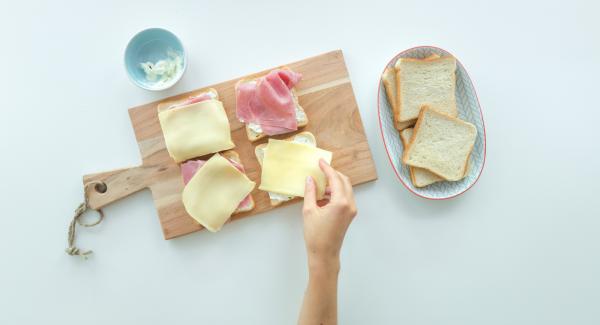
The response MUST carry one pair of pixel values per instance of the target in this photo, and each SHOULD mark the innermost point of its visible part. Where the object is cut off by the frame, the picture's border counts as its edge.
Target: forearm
(320, 299)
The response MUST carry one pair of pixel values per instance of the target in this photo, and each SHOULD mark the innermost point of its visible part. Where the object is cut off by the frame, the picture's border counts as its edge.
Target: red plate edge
(385, 144)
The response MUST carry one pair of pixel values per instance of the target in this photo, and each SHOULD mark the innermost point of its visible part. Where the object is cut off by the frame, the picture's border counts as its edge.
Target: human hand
(326, 221)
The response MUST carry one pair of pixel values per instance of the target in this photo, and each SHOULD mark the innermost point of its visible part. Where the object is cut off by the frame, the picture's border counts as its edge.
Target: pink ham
(247, 105)
(269, 102)
(193, 100)
(190, 167)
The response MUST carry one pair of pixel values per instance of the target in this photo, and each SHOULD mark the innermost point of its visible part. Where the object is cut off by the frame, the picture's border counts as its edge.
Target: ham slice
(269, 102)
(193, 100)
(190, 167)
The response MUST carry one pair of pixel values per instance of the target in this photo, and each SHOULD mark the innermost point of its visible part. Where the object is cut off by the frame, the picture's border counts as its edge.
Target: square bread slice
(441, 144)
(389, 83)
(420, 177)
(429, 83)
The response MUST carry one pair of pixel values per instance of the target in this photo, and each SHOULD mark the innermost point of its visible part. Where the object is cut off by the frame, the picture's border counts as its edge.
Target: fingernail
(308, 180)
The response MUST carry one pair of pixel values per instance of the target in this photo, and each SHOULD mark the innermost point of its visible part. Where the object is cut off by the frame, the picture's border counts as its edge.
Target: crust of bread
(433, 57)
(406, 142)
(416, 130)
(404, 125)
(254, 136)
(233, 155)
(165, 105)
(390, 90)
(411, 170)
(258, 148)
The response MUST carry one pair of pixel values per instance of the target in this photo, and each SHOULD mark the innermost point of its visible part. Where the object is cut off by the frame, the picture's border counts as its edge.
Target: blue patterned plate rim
(482, 135)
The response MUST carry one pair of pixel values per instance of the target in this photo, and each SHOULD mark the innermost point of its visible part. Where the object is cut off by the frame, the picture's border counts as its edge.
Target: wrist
(318, 266)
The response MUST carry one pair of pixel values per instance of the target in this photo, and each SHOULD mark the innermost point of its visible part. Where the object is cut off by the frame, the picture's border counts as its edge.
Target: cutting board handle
(116, 184)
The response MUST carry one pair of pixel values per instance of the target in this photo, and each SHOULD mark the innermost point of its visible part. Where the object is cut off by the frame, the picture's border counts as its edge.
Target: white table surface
(521, 247)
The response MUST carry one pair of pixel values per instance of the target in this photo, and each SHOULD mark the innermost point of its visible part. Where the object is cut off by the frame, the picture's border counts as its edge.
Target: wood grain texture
(326, 95)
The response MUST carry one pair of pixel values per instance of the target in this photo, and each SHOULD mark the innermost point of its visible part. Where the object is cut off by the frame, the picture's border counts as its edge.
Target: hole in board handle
(100, 188)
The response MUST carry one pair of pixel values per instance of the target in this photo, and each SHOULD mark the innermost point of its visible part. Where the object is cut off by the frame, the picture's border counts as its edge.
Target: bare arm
(325, 225)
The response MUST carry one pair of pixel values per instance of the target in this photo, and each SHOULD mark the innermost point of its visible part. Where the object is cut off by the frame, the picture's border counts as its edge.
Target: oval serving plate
(468, 110)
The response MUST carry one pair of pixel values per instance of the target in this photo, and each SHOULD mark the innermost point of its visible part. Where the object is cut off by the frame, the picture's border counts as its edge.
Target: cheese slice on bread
(287, 164)
(215, 191)
(195, 126)
(302, 137)
(440, 144)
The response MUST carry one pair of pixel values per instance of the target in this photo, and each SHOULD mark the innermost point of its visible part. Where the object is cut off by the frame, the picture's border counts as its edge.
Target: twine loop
(81, 209)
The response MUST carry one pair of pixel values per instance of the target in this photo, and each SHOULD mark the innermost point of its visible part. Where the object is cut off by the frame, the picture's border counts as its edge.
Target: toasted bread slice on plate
(429, 83)
(389, 83)
(441, 144)
(420, 177)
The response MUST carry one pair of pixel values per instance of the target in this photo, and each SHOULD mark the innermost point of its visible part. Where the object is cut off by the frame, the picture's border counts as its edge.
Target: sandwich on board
(195, 126)
(305, 138)
(214, 188)
(268, 105)
(286, 165)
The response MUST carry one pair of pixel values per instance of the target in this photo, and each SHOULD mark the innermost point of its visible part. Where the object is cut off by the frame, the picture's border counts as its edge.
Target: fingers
(349, 195)
(333, 178)
(347, 184)
(310, 194)
(322, 203)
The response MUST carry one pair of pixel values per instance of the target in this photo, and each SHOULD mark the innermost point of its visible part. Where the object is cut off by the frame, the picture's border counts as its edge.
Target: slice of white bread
(302, 137)
(301, 118)
(389, 83)
(420, 177)
(233, 155)
(441, 144)
(429, 83)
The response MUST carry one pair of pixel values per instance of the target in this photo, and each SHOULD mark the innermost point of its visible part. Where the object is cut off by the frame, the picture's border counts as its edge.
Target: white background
(521, 247)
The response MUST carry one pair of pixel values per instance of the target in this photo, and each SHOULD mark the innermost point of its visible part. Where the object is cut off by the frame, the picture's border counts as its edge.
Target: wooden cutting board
(326, 95)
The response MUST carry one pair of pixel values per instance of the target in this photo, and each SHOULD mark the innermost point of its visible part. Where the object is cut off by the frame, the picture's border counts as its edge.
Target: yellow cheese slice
(195, 130)
(214, 192)
(286, 165)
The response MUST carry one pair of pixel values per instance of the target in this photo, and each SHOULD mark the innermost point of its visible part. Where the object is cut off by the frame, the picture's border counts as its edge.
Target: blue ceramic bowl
(152, 45)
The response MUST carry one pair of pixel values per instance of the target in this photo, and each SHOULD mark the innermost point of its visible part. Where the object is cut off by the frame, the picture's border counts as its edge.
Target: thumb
(310, 195)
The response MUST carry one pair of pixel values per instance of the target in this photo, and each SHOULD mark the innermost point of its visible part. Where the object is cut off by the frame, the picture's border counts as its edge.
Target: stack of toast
(437, 144)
